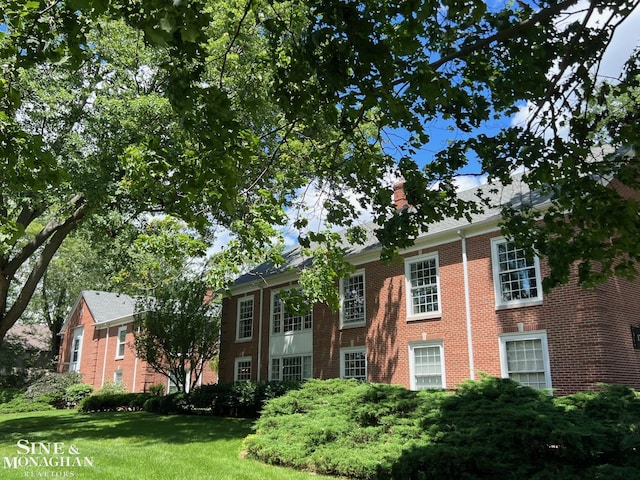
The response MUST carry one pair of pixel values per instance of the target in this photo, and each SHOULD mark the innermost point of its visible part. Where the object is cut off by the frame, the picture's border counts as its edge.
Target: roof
(106, 306)
(33, 336)
(515, 194)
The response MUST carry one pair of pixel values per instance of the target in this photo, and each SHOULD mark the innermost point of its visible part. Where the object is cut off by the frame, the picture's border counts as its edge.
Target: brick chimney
(399, 197)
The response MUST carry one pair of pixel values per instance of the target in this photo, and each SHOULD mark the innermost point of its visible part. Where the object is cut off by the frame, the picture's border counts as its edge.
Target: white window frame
(121, 343)
(303, 319)
(540, 335)
(239, 319)
(278, 376)
(412, 363)
(77, 339)
(409, 296)
(118, 376)
(172, 386)
(343, 363)
(501, 302)
(344, 282)
(236, 368)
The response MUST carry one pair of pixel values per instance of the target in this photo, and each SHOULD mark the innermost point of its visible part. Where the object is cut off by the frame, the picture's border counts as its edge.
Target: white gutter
(467, 303)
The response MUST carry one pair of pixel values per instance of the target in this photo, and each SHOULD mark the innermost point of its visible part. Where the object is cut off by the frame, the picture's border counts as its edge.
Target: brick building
(98, 342)
(461, 302)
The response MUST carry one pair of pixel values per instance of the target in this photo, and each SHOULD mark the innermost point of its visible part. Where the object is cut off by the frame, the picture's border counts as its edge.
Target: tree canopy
(225, 112)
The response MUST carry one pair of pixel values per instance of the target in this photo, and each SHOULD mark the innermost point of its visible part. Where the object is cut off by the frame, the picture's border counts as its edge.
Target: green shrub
(238, 399)
(169, 404)
(112, 389)
(157, 389)
(14, 401)
(112, 402)
(490, 429)
(75, 393)
(50, 387)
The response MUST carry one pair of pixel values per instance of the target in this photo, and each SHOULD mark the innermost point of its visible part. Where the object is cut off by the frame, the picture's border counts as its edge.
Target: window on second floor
(122, 342)
(283, 320)
(423, 286)
(244, 328)
(516, 276)
(352, 311)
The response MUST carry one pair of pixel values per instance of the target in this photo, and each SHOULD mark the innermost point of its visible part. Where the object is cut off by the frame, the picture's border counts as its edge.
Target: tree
(223, 112)
(178, 330)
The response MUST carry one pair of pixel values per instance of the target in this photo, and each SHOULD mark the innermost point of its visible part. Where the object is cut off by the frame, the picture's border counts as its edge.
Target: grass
(137, 446)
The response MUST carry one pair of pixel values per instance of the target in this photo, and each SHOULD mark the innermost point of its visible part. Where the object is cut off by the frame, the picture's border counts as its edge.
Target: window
(516, 276)
(173, 384)
(244, 330)
(122, 341)
(524, 358)
(353, 300)
(426, 366)
(76, 349)
(353, 363)
(117, 376)
(291, 368)
(283, 320)
(423, 286)
(242, 369)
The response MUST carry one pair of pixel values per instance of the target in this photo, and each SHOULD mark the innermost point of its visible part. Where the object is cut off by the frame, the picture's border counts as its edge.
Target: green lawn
(134, 446)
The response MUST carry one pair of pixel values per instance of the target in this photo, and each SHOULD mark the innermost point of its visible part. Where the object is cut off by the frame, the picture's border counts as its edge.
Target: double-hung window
(353, 363)
(244, 327)
(122, 342)
(524, 357)
(516, 275)
(284, 320)
(352, 312)
(426, 365)
(291, 368)
(423, 286)
(242, 369)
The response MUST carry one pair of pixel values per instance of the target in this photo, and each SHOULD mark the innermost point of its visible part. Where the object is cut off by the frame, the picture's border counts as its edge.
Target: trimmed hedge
(238, 399)
(492, 428)
(113, 402)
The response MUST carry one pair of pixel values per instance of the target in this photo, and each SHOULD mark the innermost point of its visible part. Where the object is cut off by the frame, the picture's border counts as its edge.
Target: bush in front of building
(113, 402)
(50, 387)
(75, 393)
(13, 400)
(491, 428)
(238, 399)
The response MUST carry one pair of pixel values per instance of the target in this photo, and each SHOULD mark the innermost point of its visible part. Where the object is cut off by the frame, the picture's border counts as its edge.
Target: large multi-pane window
(284, 320)
(423, 286)
(353, 300)
(426, 366)
(244, 329)
(291, 368)
(525, 359)
(242, 369)
(122, 341)
(353, 363)
(516, 275)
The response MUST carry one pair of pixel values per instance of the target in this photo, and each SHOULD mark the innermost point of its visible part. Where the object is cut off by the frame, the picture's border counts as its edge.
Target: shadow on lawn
(149, 428)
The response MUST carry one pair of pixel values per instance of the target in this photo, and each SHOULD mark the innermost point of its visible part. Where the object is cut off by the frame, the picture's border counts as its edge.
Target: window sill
(347, 326)
(119, 358)
(244, 340)
(519, 304)
(429, 316)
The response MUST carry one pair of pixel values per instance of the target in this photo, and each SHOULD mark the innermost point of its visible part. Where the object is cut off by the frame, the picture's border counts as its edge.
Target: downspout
(104, 361)
(260, 333)
(135, 366)
(467, 303)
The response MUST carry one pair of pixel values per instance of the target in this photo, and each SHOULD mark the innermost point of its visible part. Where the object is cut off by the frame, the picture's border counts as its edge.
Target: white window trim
(533, 335)
(362, 349)
(281, 357)
(78, 334)
(412, 361)
(364, 284)
(235, 367)
(241, 301)
(500, 303)
(115, 376)
(119, 343)
(407, 278)
(282, 331)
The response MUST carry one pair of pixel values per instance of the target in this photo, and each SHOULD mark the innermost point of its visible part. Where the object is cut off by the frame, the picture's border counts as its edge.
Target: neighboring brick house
(461, 302)
(98, 342)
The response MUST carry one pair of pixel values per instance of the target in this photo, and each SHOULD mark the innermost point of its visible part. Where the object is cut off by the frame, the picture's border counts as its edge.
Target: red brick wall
(588, 331)
(98, 362)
